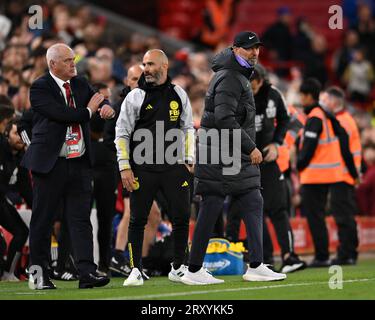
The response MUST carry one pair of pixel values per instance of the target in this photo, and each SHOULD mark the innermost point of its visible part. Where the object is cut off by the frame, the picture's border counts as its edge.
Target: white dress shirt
(81, 144)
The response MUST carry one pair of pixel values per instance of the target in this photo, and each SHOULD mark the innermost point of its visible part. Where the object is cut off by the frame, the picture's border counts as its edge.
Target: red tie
(69, 98)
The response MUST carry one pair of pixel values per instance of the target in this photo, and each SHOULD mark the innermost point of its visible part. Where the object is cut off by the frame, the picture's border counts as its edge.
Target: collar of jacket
(125, 91)
(142, 84)
(308, 109)
(263, 90)
(246, 71)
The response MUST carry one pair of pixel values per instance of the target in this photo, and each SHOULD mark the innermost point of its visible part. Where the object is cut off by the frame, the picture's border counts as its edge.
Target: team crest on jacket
(271, 109)
(173, 112)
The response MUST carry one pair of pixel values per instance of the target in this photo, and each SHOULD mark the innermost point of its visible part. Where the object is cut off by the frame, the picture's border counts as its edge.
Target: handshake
(106, 112)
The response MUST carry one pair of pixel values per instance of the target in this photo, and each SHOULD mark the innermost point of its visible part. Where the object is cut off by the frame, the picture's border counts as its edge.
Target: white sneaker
(200, 277)
(9, 277)
(135, 278)
(176, 275)
(262, 273)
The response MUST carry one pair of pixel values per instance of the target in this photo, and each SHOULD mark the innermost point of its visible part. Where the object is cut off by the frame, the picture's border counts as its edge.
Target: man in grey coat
(228, 128)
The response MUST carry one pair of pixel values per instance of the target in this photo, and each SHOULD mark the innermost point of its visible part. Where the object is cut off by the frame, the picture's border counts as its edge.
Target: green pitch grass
(358, 283)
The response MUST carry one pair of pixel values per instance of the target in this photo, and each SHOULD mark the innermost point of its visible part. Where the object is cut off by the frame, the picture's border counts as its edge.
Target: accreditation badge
(72, 144)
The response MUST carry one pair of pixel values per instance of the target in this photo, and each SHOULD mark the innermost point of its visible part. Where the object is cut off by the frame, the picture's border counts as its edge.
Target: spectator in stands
(302, 40)
(5, 25)
(37, 63)
(366, 190)
(106, 54)
(359, 76)
(14, 79)
(217, 19)
(21, 100)
(4, 86)
(99, 70)
(344, 55)
(278, 37)
(199, 67)
(366, 29)
(91, 35)
(61, 19)
(315, 66)
(292, 96)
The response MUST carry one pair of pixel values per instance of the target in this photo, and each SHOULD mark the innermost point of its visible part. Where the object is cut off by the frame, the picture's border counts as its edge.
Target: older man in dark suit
(59, 158)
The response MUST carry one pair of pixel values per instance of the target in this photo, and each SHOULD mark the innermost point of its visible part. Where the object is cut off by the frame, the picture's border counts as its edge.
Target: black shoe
(92, 280)
(292, 263)
(120, 267)
(44, 284)
(64, 276)
(319, 263)
(344, 262)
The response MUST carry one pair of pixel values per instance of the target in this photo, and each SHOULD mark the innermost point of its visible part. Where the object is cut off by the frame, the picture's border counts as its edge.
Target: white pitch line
(186, 293)
(30, 293)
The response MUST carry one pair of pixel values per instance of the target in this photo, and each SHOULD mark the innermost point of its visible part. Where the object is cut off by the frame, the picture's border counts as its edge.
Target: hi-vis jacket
(348, 123)
(295, 128)
(154, 110)
(319, 160)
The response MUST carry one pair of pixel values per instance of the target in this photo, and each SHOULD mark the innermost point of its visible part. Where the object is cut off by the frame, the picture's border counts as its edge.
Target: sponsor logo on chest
(174, 111)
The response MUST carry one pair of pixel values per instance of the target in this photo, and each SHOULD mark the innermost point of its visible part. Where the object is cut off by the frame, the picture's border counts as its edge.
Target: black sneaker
(319, 263)
(344, 262)
(120, 267)
(64, 276)
(292, 263)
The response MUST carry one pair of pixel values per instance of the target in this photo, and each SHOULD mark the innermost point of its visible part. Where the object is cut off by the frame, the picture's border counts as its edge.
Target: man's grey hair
(53, 52)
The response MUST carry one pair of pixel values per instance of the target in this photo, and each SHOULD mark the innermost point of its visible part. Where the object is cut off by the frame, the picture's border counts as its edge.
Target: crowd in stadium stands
(22, 60)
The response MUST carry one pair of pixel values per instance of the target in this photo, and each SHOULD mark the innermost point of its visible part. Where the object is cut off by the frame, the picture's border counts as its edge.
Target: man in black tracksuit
(105, 176)
(271, 125)
(148, 114)
(230, 112)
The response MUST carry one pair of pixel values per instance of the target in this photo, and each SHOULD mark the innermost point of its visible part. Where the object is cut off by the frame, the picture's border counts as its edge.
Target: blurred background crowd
(298, 44)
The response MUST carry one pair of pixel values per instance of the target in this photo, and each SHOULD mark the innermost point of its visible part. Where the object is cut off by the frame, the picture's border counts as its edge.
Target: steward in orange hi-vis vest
(342, 195)
(323, 155)
(326, 164)
(348, 123)
(295, 126)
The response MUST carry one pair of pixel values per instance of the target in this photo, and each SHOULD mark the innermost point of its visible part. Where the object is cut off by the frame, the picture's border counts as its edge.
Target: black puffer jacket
(229, 105)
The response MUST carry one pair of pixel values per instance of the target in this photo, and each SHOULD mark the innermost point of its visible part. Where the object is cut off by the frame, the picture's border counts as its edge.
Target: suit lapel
(55, 88)
(75, 90)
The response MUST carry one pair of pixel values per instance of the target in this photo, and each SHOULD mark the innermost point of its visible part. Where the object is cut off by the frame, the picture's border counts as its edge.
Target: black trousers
(248, 206)
(313, 206)
(174, 184)
(343, 208)
(274, 195)
(105, 184)
(274, 192)
(69, 181)
(11, 221)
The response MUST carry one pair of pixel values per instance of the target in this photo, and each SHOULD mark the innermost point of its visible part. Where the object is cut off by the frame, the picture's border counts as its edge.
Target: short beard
(156, 78)
(253, 61)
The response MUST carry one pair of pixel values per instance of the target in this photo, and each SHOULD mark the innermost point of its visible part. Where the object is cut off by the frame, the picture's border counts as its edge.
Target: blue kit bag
(224, 257)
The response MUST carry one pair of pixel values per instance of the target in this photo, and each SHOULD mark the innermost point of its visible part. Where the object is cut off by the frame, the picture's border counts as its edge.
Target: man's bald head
(134, 73)
(155, 62)
(158, 54)
(60, 60)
